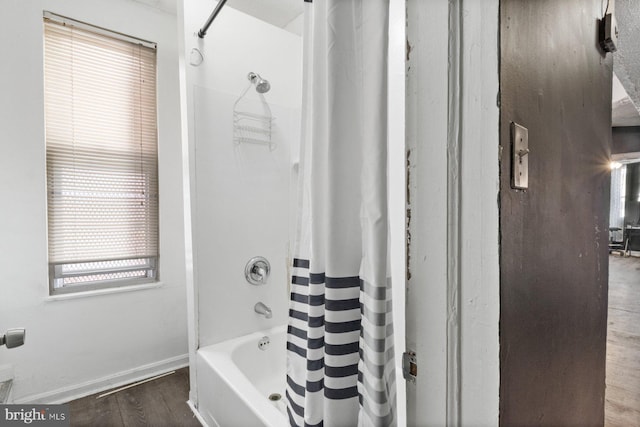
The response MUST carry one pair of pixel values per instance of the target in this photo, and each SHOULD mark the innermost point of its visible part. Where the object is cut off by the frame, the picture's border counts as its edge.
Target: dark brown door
(556, 82)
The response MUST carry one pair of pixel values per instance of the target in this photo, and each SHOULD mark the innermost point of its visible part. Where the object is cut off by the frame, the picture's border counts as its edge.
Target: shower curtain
(340, 368)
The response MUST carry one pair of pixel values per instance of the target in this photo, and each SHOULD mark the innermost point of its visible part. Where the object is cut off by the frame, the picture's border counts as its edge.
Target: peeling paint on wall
(409, 177)
(408, 216)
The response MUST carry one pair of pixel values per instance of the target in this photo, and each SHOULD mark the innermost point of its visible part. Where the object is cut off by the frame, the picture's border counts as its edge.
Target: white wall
(74, 346)
(241, 193)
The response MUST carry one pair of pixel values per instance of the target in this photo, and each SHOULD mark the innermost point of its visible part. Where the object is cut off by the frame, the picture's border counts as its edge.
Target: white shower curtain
(340, 337)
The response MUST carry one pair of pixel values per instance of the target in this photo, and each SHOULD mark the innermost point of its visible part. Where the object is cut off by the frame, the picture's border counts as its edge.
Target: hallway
(622, 407)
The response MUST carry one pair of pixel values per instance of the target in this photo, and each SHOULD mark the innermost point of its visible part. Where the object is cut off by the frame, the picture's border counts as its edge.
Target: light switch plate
(609, 33)
(519, 156)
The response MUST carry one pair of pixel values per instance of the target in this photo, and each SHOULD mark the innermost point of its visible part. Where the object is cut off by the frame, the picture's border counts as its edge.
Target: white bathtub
(236, 378)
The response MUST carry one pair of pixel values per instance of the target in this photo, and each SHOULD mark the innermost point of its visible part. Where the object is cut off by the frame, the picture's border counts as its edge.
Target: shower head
(262, 85)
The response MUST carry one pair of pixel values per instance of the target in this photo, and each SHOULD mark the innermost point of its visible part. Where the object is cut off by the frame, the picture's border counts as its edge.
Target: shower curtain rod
(203, 30)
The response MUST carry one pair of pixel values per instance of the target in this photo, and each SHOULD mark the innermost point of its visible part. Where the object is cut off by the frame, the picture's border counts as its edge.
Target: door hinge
(409, 366)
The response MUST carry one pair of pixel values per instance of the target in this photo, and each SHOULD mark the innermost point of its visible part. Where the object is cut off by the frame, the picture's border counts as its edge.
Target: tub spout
(260, 308)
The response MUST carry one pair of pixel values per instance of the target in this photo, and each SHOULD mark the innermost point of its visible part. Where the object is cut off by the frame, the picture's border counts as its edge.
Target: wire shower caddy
(251, 127)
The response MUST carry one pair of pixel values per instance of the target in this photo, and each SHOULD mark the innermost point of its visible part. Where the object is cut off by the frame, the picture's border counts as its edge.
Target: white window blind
(101, 139)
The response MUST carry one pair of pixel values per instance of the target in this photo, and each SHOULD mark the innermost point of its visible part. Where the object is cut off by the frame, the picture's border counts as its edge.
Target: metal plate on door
(519, 156)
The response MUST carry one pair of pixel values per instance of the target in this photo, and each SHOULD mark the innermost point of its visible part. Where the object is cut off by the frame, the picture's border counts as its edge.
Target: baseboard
(6, 384)
(196, 413)
(67, 394)
(5, 392)
(6, 372)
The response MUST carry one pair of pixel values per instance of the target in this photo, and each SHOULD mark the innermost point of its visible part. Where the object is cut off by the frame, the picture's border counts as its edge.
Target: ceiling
(277, 12)
(166, 5)
(626, 64)
(280, 13)
(623, 110)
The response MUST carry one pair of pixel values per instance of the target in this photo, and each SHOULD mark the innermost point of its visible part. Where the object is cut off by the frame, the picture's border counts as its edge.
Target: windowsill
(107, 291)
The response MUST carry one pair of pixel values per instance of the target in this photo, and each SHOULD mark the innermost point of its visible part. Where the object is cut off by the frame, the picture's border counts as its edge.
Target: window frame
(57, 271)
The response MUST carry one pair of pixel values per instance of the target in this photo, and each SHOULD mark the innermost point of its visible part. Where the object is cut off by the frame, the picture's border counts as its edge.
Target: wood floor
(161, 402)
(622, 406)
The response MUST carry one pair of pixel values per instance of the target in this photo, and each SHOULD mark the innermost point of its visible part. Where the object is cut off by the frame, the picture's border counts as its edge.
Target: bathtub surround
(340, 336)
(240, 198)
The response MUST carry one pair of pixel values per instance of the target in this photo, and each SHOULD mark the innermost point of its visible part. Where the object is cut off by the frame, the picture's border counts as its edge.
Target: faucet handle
(257, 270)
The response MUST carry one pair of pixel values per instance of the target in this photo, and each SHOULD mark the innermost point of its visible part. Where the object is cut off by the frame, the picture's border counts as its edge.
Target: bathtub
(241, 382)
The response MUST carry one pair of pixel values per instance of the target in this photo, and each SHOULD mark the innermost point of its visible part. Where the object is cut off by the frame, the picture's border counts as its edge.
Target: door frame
(452, 138)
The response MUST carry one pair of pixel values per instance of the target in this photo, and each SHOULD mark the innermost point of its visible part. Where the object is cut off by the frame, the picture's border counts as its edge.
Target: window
(623, 190)
(102, 168)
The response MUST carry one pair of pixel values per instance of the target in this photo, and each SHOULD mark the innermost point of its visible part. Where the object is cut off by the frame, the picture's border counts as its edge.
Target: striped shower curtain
(340, 355)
